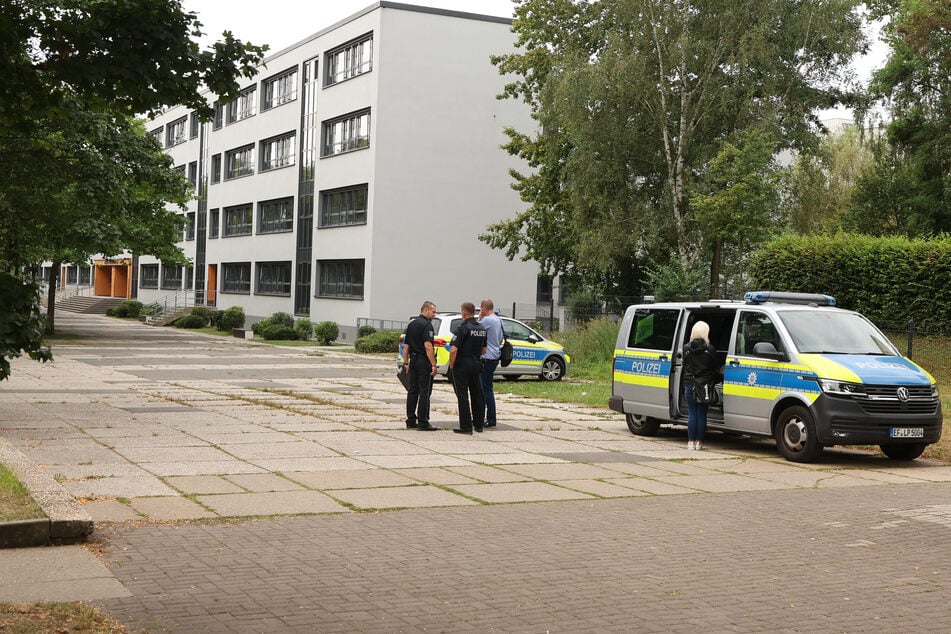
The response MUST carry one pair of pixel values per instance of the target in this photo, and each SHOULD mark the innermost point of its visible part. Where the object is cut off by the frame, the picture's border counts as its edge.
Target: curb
(66, 520)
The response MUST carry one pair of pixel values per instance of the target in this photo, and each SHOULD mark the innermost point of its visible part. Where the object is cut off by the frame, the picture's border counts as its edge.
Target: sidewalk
(160, 425)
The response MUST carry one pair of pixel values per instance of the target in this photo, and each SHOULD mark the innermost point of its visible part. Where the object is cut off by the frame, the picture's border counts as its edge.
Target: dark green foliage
(282, 319)
(258, 327)
(231, 318)
(326, 332)
(890, 280)
(205, 312)
(191, 321)
(365, 329)
(379, 341)
(128, 308)
(584, 305)
(216, 319)
(279, 332)
(21, 323)
(304, 328)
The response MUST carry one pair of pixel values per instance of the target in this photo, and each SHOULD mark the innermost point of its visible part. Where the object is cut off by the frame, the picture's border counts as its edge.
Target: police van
(795, 368)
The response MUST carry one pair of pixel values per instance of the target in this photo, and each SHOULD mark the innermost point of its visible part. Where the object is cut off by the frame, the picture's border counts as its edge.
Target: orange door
(212, 285)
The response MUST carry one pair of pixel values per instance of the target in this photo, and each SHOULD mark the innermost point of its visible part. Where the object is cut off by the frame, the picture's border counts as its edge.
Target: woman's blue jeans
(696, 415)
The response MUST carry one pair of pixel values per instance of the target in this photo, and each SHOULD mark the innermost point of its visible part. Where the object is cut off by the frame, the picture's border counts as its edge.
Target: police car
(795, 368)
(534, 355)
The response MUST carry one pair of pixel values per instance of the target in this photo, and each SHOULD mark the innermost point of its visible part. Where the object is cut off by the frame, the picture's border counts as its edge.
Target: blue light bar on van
(761, 297)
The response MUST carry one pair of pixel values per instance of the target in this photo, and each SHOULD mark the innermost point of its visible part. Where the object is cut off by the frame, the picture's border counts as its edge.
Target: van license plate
(907, 432)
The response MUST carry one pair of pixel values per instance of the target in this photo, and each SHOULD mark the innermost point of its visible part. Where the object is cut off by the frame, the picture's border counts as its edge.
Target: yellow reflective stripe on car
(639, 379)
(828, 369)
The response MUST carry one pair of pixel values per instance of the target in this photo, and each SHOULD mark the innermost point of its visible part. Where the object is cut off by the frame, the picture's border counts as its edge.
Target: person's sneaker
(690, 445)
(698, 445)
(426, 427)
(463, 431)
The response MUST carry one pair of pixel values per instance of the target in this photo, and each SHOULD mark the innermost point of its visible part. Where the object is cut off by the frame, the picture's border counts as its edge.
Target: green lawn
(15, 500)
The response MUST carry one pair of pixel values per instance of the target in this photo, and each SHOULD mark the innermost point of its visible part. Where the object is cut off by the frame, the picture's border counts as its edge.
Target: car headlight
(934, 391)
(841, 388)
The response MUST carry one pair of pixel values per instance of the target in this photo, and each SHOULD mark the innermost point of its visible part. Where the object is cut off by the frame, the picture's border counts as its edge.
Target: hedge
(890, 280)
(380, 341)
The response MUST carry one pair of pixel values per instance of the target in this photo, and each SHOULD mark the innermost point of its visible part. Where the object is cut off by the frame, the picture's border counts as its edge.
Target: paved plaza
(239, 486)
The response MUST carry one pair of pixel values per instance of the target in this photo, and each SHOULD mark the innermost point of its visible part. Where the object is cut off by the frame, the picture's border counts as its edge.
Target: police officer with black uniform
(468, 346)
(420, 359)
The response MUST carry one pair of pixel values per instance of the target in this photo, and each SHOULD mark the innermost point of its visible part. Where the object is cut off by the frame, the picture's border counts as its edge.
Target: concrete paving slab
(401, 497)
(816, 479)
(274, 503)
(564, 471)
(163, 440)
(110, 511)
(299, 449)
(518, 492)
(170, 508)
(878, 476)
(285, 465)
(436, 475)
(364, 479)
(194, 485)
(426, 460)
(200, 468)
(488, 474)
(391, 447)
(262, 482)
(601, 489)
(724, 482)
(929, 473)
(176, 454)
(510, 458)
(656, 487)
(63, 455)
(58, 573)
(118, 487)
(70, 471)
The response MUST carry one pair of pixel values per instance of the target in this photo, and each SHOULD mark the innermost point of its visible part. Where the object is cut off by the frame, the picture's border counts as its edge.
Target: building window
(243, 106)
(180, 169)
(277, 152)
(175, 132)
(276, 216)
(238, 221)
(236, 277)
(85, 276)
(340, 278)
(213, 223)
(171, 277)
(274, 278)
(239, 162)
(352, 59)
(157, 134)
(194, 124)
(190, 226)
(71, 274)
(350, 132)
(216, 168)
(148, 276)
(342, 207)
(279, 89)
(193, 173)
(219, 116)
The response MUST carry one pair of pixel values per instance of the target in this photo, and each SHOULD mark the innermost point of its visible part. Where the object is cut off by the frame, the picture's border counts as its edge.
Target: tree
(915, 85)
(77, 175)
(635, 97)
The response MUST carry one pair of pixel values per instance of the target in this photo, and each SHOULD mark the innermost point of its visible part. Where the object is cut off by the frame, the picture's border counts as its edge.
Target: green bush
(365, 329)
(205, 312)
(584, 305)
(258, 327)
(304, 328)
(279, 332)
(216, 319)
(231, 318)
(591, 343)
(379, 341)
(282, 319)
(326, 332)
(191, 321)
(128, 308)
(151, 309)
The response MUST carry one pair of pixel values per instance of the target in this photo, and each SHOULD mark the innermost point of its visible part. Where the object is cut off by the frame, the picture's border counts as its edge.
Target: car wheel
(904, 452)
(642, 425)
(511, 377)
(553, 368)
(796, 435)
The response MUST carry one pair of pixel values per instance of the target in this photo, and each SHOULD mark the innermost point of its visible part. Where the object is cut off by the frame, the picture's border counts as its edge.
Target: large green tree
(635, 97)
(77, 174)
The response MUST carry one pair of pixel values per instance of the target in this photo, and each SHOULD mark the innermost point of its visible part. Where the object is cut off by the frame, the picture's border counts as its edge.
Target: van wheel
(642, 425)
(904, 452)
(796, 435)
(553, 368)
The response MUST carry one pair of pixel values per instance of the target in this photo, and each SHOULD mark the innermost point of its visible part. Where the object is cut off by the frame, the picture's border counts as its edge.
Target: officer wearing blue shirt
(468, 346)
(490, 360)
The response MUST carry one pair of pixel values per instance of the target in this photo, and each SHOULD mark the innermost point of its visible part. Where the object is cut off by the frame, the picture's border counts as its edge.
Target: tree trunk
(715, 268)
(51, 299)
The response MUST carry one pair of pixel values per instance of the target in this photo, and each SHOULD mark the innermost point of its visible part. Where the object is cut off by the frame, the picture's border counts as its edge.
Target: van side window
(515, 330)
(755, 328)
(654, 329)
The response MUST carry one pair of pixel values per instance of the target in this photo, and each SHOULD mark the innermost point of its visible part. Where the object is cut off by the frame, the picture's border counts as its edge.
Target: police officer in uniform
(468, 346)
(420, 359)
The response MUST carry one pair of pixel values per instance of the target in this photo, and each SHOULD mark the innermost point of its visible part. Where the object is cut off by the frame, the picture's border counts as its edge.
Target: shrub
(379, 341)
(326, 332)
(191, 321)
(282, 319)
(205, 313)
(231, 318)
(151, 309)
(216, 319)
(258, 327)
(278, 332)
(304, 328)
(128, 308)
(584, 305)
(365, 329)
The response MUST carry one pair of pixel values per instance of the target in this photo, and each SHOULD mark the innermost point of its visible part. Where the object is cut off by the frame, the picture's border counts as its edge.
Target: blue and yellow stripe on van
(637, 368)
(767, 381)
(532, 355)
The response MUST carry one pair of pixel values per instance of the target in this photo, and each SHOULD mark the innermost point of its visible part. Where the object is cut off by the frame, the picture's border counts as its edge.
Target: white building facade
(351, 179)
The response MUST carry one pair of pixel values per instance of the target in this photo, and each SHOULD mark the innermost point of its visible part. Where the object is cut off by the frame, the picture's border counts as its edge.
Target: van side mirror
(767, 350)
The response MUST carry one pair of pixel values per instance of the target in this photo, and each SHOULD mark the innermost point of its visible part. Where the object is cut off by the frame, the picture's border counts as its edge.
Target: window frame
(264, 208)
(335, 73)
(176, 132)
(214, 223)
(282, 284)
(267, 100)
(149, 280)
(351, 140)
(243, 106)
(327, 268)
(232, 285)
(288, 159)
(351, 215)
(171, 282)
(246, 166)
(236, 230)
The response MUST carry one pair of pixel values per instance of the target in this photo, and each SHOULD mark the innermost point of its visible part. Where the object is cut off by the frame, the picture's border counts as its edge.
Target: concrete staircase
(168, 317)
(88, 305)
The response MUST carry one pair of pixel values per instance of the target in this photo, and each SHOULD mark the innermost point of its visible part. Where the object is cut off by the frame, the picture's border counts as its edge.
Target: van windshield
(835, 333)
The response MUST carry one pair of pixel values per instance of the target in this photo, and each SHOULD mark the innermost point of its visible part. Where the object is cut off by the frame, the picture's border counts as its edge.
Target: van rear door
(643, 360)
